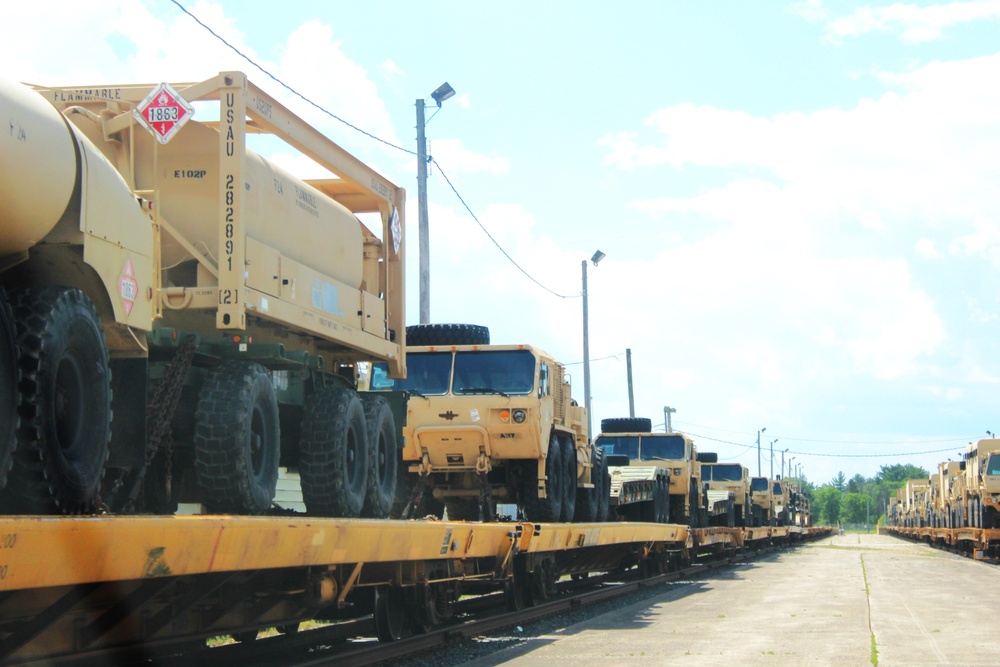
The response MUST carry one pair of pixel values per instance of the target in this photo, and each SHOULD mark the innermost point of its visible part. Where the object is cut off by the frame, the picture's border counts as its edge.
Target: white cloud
(391, 71)
(926, 249)
(455, 158)
(912, 23)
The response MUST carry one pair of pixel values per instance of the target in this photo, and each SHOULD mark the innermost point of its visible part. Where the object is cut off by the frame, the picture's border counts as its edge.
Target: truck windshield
(620, 444)
(723, 472)
(670, 447)
(500, 371)
(758, 483)
(993, 465)
(777, 489)
(427, 373)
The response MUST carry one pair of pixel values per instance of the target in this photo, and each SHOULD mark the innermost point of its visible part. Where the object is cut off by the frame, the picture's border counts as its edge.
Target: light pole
(783, 463)
(667, 411)
(791, 468)
(443, 92)
(759, 431)
(596, 259)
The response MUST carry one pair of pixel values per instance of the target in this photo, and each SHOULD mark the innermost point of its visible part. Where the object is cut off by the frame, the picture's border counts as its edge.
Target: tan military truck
(781, 498)
(647, 467)
(762, 501)
(982, 484)
(494, 423)
(157, 270)
(916, 499)
(728, 486)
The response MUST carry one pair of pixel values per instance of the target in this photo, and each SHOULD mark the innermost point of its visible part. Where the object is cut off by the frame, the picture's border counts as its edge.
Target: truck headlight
(519, 416)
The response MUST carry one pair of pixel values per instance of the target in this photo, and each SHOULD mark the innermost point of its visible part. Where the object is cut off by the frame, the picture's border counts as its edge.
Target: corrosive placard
(163, 112)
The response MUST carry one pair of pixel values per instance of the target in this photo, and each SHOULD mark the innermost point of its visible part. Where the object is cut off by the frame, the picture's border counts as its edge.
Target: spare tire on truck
(447, 334)
(626, 425)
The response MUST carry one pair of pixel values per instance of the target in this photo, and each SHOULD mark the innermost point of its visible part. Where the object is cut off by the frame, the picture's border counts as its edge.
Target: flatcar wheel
(65, 403)
(550, 507)
(9, 399)
(390, 613)
(288, 629)
(569, 479)
(543, 582)
(514, 594)
(383, 457)
(244, 637)
(333, 459)
(237, 439)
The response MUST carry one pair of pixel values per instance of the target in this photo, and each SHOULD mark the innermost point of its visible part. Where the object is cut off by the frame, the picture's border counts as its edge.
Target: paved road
(832, 602)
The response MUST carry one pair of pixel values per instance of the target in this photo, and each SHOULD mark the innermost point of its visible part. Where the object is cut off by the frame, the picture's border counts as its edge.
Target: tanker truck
(179, 316)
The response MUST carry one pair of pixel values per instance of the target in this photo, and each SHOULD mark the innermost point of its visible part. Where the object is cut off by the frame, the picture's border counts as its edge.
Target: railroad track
(353, 643)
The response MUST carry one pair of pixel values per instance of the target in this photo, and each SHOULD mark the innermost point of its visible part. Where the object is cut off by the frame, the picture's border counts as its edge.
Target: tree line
(859, 499)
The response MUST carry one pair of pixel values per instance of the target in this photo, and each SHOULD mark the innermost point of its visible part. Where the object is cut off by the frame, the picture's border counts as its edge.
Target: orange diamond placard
(163, 112)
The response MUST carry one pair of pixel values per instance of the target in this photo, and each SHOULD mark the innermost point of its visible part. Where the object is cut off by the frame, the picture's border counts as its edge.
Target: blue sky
(798, 200)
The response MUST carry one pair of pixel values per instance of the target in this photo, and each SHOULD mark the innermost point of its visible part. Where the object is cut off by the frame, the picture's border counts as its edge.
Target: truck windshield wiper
(483, 390)
(415, 392)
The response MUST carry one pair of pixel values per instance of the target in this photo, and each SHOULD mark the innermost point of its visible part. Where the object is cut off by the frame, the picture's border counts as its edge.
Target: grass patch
(868, 599)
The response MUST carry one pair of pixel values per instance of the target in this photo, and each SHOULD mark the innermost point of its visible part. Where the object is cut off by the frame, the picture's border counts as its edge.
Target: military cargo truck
(762, 505)
(645, 467)
(157, 271)
(492, 423)
(781, 498)
(982, 484)
(728, 485)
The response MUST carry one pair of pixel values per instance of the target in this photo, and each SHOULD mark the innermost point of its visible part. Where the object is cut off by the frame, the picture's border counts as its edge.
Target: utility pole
(759, 431)
(423, 225)
(586, 356)
(667, 411)
(772, 457)
(631, 398)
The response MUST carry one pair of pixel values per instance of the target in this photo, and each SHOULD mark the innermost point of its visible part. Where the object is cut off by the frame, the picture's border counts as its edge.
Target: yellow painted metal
(37, 552)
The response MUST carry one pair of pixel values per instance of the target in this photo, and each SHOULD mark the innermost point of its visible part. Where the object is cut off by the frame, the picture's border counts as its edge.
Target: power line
(844, 456)
(286, 86)
(499, 247)
(372, 136)
(834, 442)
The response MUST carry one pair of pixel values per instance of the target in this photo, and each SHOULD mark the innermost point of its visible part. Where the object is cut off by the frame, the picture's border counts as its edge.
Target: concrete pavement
(832, 602)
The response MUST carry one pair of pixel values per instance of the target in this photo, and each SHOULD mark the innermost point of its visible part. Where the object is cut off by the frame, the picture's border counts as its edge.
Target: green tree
(857, 484)
(839, 482)
(855, 507)
(900, 472)
(826, 504)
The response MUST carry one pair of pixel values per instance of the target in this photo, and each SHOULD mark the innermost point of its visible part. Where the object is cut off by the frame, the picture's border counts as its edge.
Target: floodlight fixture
(598, 256)
(443, 92)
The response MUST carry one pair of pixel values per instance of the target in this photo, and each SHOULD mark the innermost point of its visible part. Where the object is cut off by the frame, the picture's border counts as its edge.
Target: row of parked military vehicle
(698, 490)
(960, 494)
(490, 424)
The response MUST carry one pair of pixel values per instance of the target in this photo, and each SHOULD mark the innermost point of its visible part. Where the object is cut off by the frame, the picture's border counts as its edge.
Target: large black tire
(604, 477)
(626, 425)
(333, 458)
(237, 439)
(569, 478)
(9, 399)
(550, 507)
(65, 409)
(383, 457)
(447, 334)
